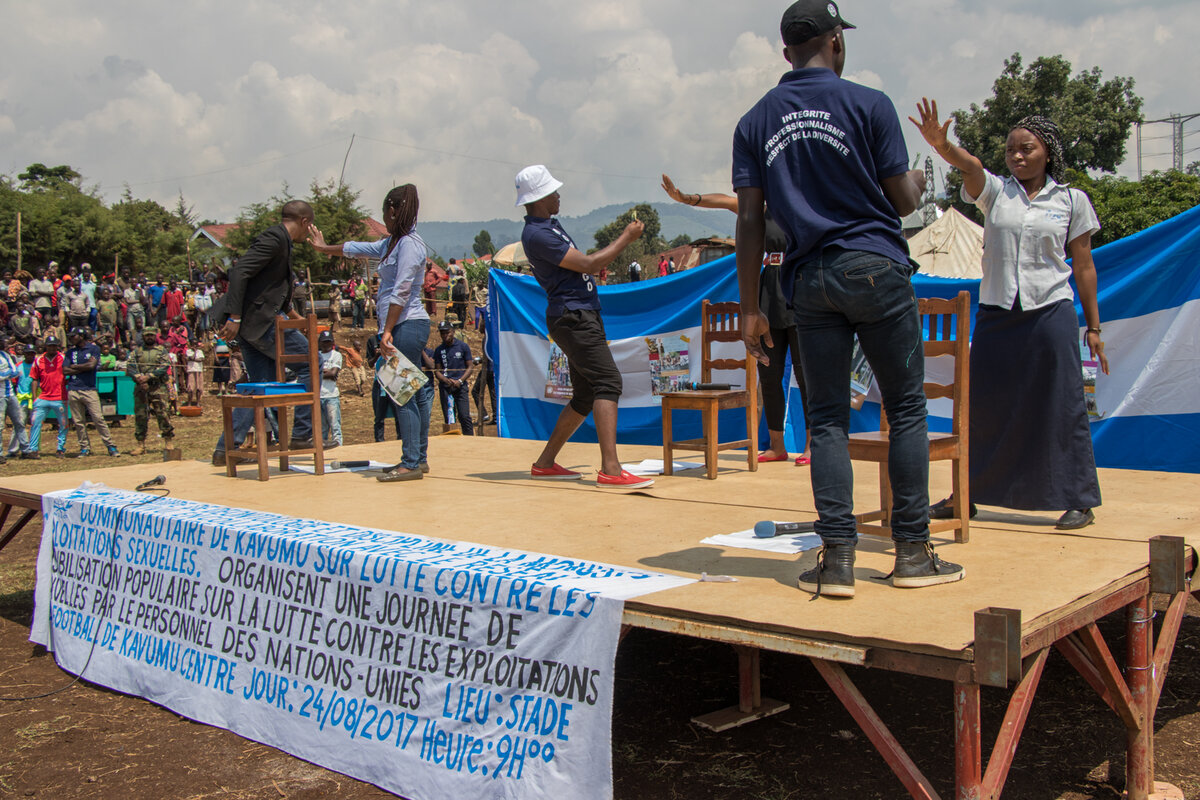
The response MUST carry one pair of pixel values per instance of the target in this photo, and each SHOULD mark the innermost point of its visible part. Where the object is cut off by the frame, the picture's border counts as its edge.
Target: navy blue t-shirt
(819, 146)
(545, 244)
(453, 359)
(81, 381)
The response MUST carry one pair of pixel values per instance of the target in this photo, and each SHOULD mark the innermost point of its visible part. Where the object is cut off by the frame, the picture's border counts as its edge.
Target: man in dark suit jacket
(260, 291)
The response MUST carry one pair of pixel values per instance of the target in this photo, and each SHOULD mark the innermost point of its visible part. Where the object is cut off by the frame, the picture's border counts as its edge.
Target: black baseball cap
(324, 336)
(807, 19)
(445, 325)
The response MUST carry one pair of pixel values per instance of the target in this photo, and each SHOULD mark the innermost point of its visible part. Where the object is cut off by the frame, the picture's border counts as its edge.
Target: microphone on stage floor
(701, 386)
(157, 480)
(348, 464)
(766, 529)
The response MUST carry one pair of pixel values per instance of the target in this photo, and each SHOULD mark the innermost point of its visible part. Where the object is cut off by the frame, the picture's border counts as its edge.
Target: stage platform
(1028, 587)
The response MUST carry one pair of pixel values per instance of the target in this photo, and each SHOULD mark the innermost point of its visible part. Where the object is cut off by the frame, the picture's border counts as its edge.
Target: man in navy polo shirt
(828, 157)
(574, 323)
(79, 367)
(454, 368)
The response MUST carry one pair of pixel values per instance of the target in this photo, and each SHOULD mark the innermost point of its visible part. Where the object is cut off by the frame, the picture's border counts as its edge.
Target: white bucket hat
(534, 183)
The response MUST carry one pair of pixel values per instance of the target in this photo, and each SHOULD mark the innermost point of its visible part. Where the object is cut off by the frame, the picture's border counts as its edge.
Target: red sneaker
(555, 473)
(626, 480)
(803, 461)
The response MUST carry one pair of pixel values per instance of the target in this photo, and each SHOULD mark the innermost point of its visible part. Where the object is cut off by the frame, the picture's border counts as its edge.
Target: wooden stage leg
(6, 537)
(751, 704)
(230, 447)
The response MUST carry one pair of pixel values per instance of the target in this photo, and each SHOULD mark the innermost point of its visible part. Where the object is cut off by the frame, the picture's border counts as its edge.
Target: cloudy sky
(225, 101)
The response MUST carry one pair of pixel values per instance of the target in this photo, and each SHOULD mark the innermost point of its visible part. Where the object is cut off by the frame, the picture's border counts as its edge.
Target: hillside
(454, 239)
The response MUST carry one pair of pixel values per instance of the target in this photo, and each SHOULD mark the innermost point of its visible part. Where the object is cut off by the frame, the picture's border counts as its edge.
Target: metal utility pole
(1177, 122)
(930, 211)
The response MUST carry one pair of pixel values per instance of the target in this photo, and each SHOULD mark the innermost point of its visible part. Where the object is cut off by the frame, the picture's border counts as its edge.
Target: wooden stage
(1028, 588)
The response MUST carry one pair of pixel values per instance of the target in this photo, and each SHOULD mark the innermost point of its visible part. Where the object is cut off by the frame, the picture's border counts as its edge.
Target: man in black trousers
(260, 291)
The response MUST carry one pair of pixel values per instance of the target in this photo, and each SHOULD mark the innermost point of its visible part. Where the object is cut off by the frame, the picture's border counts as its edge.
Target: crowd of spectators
(60, 326)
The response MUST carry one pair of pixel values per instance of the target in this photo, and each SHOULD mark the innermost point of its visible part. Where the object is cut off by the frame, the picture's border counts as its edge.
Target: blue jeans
(259, 356)
(41, 408)
(20, 438)
(837, 295)
(331, 419)
(410, 338)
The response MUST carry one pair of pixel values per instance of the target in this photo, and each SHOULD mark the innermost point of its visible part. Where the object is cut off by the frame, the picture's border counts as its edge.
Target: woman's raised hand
(931, 129)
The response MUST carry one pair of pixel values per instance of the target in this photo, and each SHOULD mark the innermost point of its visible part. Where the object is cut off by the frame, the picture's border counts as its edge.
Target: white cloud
(228, 100)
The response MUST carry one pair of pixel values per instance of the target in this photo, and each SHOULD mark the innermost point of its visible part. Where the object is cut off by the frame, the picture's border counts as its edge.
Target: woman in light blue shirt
(403, 321)
(1030, 441)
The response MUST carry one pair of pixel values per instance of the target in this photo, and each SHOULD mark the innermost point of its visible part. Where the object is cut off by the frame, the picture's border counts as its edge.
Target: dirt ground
(89, 742)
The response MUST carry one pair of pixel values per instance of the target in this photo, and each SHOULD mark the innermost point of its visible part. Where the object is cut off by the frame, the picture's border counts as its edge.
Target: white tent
(952, 247)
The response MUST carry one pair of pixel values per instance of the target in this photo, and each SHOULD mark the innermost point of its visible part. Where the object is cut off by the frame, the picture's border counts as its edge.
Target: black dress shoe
(944, 509)
(1075, 518)
(300, 444)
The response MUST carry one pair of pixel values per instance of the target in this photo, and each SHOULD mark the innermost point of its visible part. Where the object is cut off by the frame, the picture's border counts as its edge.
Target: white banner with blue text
(428, 667)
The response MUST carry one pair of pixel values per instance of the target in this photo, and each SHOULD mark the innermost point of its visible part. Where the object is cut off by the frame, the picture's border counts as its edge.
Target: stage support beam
(751, 704)
(876, 730)
(22, 521)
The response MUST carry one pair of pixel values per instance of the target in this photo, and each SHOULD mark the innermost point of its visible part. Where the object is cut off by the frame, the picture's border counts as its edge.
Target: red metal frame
(6, 506)
(1132, 694)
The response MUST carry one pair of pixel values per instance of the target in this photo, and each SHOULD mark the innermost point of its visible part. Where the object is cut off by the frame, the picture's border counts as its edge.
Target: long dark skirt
(1031, 448)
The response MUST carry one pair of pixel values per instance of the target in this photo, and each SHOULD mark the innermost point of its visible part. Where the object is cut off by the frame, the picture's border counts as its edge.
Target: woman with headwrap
(1030, 444)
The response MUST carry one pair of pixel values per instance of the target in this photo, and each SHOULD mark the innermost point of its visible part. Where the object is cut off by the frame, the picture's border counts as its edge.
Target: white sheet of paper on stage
(400, 378)
(428, 667)
(654, 466)
(311, 469)
(796, 543)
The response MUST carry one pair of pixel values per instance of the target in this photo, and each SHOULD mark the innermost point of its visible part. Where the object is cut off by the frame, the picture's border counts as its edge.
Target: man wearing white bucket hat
(574, 323)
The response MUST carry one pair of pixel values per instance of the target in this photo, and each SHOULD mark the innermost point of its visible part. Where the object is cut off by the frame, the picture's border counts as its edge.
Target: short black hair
(297, 209)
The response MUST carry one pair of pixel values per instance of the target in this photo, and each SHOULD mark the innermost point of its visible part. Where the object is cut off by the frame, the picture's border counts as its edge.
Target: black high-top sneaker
(833, 576)
(917, 565)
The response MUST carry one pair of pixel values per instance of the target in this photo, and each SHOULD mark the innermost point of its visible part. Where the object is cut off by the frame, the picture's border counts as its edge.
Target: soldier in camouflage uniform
(149, 366)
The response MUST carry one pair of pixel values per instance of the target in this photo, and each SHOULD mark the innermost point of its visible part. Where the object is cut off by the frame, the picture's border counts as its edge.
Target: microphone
(715, 386)
(157, 480)
(349, 464)
(766, 529)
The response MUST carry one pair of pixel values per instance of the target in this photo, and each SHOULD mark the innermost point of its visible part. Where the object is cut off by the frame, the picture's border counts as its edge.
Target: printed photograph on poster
(861, 374)
(558, 377)
(1091, 368)
(670, 369)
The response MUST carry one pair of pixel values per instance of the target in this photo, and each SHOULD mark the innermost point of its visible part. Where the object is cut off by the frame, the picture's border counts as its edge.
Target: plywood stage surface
(479, 490)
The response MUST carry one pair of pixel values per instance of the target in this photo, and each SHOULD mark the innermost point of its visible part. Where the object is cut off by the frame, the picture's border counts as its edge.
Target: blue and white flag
(1149, 406)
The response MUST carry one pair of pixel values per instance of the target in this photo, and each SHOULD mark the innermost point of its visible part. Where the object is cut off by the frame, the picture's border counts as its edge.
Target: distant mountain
(455, 239)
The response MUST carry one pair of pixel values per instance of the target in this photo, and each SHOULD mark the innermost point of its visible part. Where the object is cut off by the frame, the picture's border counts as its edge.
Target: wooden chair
(720, 322)
(260, 403)
(946, 325)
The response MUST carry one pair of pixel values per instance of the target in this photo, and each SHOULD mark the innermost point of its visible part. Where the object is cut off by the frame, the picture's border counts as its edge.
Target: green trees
(337, 215)
(483, 244)
(1126, 207)
(1095, 116)
(650, 243)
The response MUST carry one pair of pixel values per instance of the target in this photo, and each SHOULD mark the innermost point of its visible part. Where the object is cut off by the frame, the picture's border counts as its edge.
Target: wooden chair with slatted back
(281, 402)
(720, 322)
(946, 326)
